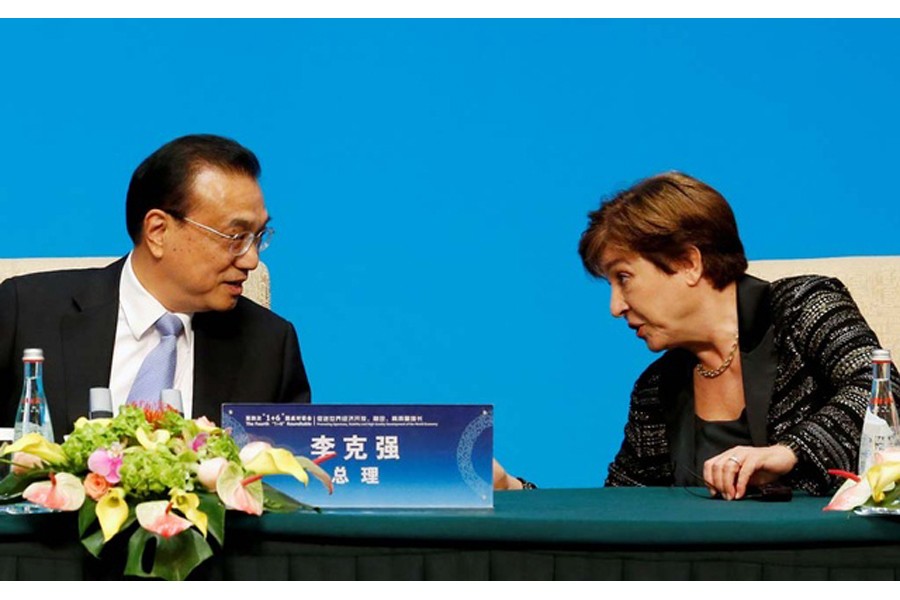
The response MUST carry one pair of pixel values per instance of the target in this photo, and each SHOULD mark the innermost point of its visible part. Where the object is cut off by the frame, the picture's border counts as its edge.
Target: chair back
(256, 288)
(874, 282)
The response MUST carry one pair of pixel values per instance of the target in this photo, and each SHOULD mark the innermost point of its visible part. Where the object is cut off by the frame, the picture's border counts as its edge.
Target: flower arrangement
(156, 474)
(876, 488)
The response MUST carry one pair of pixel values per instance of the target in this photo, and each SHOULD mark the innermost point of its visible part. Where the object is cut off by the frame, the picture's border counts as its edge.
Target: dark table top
(630, 517)
(606, 516)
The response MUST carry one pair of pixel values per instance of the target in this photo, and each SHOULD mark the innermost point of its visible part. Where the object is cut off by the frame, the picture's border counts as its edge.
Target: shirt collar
(140, 308)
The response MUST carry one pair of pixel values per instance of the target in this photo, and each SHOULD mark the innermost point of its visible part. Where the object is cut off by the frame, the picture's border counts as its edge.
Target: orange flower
(96, 486)
(153, 411)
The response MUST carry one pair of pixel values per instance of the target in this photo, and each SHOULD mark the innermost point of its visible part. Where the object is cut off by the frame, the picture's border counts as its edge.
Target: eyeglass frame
(262, 238)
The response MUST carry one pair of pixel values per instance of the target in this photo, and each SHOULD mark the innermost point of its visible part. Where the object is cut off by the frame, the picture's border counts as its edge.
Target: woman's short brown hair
(659, 218)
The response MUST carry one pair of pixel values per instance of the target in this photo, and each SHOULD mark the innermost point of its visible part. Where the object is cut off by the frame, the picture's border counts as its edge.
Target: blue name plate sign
(385, 456)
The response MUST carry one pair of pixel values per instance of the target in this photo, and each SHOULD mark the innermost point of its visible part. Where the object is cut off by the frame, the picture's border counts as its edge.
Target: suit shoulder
(251, 311)
(795, 292)
(53, 281)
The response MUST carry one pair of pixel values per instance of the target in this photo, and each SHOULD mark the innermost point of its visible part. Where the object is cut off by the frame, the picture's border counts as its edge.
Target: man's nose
(249, 260)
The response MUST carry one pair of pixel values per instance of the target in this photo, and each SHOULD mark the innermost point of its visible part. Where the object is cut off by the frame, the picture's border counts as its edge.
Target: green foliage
(130, 419)
(172, 422)
(170, 558)
(215, 513)
(87, 515)
(219, 444)
(84, 440)
(12, 486)
(150, 473)
(146, 474)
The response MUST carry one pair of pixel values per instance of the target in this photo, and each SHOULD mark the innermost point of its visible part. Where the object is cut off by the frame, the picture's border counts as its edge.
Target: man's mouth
(236, 286)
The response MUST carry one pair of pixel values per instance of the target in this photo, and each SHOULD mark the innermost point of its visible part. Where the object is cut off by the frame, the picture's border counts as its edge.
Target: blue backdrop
(429, 180)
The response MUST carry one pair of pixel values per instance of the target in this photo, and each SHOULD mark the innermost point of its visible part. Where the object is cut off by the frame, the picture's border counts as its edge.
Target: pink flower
(239, 493)
(157, 517)
(205, 425)
(854, 492)
(96, 486)
(22, 461)
(209, 471)
(62, 492)
(199, 441)
(106, 463)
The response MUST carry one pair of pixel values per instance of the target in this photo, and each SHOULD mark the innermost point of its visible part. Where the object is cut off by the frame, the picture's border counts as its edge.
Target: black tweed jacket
(806, 359)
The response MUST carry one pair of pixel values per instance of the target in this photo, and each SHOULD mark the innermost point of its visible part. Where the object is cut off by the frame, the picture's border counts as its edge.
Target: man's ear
(691, 265)
(156, 225)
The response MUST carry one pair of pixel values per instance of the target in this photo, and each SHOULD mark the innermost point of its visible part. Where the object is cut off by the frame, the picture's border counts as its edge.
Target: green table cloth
(609, 533)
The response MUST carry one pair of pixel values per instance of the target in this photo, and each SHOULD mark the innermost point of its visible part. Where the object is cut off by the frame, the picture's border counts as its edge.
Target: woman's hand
(732, 471)
(503, 480)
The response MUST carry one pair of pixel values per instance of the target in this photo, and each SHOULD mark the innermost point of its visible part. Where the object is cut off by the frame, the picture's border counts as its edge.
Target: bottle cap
(881, 355)
(33, 354)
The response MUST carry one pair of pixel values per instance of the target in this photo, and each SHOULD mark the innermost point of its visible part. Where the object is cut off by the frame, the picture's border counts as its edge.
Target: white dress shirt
(136, 336)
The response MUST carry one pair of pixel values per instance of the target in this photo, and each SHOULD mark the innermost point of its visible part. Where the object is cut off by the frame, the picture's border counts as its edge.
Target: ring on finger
(735, 460)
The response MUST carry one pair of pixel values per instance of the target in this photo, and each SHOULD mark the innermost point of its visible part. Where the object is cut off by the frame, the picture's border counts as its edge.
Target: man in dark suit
(196, 215)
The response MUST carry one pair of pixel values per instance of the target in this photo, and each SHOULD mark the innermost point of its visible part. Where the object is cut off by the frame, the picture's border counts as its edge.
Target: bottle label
(877, 435)
(882, 401)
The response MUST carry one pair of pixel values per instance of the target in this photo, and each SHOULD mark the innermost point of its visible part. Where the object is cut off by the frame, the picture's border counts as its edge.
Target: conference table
(571, 534)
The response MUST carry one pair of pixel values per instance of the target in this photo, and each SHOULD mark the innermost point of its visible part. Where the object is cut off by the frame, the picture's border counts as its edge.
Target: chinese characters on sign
(379, 455)
(387, 447)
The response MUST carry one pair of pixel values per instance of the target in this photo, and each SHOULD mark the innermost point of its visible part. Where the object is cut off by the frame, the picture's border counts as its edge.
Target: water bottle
(881, 428)
(33, 415)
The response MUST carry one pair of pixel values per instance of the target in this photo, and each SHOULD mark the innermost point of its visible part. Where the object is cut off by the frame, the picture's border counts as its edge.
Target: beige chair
(256, 288)
(874, 282)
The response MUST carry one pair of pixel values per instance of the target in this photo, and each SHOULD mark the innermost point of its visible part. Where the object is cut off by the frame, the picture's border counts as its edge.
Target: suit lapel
(759, 363)
(218, 355)
(88, 336)
(676, 395)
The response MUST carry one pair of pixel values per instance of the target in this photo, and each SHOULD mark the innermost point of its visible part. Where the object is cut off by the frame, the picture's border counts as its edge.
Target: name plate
(386, 455)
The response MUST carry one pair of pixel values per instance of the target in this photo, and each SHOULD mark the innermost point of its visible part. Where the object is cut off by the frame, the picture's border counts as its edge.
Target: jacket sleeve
(834, 343)
(643, 459)
(294, 383)
(8, 362)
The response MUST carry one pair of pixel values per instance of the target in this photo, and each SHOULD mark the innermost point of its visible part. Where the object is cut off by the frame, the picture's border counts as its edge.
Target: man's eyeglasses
(239, 243)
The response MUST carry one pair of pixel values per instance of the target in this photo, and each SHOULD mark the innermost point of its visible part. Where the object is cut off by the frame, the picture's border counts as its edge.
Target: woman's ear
(691, 265)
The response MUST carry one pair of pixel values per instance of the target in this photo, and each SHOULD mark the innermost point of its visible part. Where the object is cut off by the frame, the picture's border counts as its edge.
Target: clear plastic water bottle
(881, 427)
(33, 415)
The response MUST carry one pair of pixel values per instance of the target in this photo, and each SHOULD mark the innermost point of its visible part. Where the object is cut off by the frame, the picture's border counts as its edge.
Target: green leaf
(278, 502)
(12, 486)
(215, 512)
(891, 497)
(94, 542)
(87, 515)
(172, 559)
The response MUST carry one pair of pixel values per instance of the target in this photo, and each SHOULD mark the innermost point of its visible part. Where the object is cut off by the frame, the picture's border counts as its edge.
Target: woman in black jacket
(760, 381)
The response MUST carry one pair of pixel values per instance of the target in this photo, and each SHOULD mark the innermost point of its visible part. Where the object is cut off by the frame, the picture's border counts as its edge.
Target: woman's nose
(617, 305)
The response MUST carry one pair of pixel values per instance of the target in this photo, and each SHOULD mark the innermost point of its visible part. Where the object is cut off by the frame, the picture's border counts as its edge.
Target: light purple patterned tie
(157, 372)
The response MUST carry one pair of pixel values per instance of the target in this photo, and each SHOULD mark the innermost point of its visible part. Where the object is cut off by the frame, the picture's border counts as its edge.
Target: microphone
(173, 399)
(100, 405)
